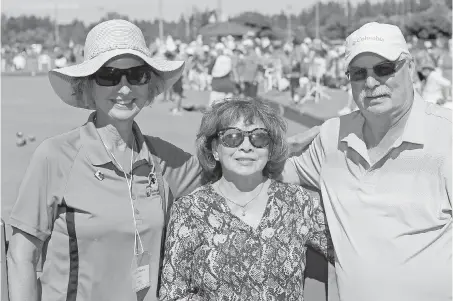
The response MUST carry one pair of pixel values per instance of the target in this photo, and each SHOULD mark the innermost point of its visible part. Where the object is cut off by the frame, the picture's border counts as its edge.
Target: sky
(92, 10)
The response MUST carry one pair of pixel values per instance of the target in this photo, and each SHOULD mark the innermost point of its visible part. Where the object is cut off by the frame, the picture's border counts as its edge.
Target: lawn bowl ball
(21, 142)
(19, 134)
(31, 138)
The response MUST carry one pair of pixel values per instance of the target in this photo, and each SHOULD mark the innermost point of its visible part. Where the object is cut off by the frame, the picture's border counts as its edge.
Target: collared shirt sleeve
(185, 178)
(36, 207)
(305, 169)
(180, 169)
(182, 239)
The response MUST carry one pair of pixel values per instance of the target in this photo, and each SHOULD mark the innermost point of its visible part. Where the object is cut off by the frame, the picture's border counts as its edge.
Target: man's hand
(299, 142)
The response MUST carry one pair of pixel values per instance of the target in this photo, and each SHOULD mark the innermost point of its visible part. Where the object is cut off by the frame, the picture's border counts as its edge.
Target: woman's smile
(123, 104)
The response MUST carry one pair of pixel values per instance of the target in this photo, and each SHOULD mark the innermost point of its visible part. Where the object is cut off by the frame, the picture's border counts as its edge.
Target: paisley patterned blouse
(210, 254)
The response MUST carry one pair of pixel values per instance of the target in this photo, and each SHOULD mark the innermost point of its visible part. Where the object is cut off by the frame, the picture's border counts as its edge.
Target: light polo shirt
(391, 223)
(87, 220)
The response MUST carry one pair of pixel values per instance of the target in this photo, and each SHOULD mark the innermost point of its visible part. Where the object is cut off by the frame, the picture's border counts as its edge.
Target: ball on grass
(21, 142)
(19, 134)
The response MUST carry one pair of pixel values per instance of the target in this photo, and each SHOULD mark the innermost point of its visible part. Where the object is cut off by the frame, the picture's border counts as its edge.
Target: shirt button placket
(369, 179)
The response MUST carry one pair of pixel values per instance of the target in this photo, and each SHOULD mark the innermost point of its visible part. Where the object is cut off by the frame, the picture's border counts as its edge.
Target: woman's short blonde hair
(230, 111)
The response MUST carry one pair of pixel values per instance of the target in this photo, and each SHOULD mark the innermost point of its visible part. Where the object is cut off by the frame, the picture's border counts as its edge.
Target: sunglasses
(233, 137)
(109, 76)
(381, 69)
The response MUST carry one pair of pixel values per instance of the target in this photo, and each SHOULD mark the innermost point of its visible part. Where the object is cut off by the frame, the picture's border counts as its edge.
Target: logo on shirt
(99, 175)
(153, 187)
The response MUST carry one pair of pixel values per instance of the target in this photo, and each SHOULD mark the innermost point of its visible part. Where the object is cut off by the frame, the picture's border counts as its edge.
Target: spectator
(223, 74)
(445, 62)
(435, 89)
(250, 73)
(19, 61)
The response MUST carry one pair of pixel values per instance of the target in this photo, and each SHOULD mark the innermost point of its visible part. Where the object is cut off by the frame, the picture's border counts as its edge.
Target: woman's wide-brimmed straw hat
(104, 42)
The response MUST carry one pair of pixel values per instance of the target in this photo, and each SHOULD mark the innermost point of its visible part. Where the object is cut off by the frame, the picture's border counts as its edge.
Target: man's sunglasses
(233, 137)
(381, 69)
(109, 76)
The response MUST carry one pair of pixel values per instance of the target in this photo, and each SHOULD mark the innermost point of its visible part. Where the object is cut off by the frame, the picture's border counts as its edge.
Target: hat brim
(389, 53)
(62, 80)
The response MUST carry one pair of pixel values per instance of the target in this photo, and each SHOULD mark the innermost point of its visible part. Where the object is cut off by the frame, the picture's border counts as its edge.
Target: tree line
(426, 19)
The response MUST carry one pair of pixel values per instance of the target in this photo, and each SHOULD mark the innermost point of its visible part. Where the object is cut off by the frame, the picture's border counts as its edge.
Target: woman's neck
(236, 184)
(117, 135)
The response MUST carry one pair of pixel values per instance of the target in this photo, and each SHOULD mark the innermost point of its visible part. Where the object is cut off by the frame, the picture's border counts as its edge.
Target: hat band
(131, 47)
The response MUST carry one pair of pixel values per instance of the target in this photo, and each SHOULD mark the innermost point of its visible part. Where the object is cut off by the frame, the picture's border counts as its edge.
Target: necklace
(243, 207)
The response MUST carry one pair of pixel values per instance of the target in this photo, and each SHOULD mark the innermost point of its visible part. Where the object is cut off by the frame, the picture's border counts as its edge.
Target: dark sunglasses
(233, 137)
(109, 76)
(381, 69)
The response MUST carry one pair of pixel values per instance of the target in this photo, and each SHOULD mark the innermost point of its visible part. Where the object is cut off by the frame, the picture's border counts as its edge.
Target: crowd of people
(230, 66)
(244, 66)
(37, 58)
(107, 213)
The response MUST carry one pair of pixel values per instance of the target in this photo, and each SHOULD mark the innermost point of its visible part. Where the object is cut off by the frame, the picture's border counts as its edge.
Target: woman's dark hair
(230, 111)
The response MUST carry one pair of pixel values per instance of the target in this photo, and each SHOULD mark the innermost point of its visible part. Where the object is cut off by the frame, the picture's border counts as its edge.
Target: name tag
(140, 278)
(140, 271)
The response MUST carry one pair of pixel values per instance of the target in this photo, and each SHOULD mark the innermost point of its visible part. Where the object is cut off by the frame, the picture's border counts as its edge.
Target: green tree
(364, 10)
(336, 28)
(389, 8)
(430, 24)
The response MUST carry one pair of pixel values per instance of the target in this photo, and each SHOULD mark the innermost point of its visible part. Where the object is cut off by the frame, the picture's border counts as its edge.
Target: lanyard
(138, 249)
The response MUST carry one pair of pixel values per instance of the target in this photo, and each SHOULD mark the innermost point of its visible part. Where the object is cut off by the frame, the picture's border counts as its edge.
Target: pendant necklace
(243, 207)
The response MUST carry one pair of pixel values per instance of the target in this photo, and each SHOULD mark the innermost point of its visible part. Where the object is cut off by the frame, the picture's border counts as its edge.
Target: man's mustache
(377, 93)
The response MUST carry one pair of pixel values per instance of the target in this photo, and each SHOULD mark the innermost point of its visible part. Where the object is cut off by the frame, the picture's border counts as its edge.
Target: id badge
(140, 271)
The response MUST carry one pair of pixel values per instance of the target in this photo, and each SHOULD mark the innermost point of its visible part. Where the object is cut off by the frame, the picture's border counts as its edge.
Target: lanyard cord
(138, 249)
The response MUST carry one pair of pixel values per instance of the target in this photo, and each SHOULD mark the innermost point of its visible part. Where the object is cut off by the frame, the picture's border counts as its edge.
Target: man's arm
(305, 169)
(299, 142)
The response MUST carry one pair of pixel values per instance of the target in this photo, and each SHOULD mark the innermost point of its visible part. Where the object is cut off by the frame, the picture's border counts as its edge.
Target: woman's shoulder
(290, 191)
(165, 150)
(60, 144)
(197, 201)
(201, 194)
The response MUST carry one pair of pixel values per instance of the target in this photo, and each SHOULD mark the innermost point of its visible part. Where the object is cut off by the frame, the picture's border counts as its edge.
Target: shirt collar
(351, 131)
(413, 130)
(95, 149)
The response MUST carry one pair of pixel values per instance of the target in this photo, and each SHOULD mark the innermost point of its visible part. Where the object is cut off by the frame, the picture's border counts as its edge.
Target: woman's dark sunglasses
(381, 69)
(233, 137)
(109, 76)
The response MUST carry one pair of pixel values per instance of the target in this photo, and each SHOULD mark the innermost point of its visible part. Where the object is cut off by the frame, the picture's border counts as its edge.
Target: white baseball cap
(383, 39)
